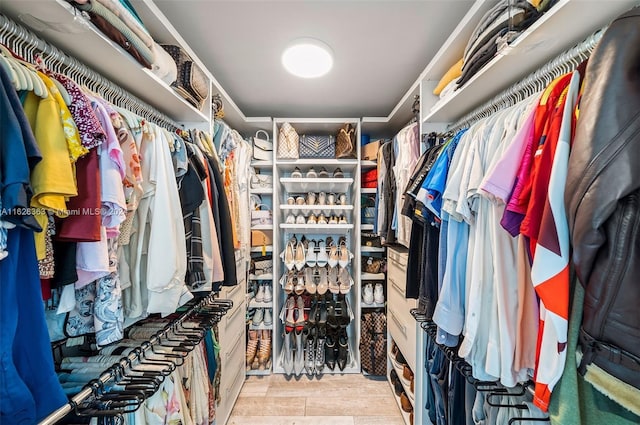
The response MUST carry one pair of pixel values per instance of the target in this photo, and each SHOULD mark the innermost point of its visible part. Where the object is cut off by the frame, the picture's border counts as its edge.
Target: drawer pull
(397, 287)
(402, 327)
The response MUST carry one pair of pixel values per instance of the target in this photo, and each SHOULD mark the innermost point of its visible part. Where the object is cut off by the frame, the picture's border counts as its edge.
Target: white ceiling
(380, 48)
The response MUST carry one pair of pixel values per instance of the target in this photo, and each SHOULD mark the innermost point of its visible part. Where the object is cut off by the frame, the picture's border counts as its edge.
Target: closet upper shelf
(547, 37)
(62, 25)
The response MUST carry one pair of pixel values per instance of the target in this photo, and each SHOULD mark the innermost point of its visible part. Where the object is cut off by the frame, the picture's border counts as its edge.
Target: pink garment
(112, 172)
(499, 182)
(92, 260)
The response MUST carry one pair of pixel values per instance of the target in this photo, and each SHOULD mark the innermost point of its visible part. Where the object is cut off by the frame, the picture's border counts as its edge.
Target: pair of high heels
(294, 255)
(295, 316)
(340, 281)
(336, 351)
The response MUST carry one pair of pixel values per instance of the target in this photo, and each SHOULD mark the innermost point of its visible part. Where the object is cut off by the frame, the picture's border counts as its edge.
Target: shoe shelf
(405, 415)
(317, 229)
(371, 249)
(257, 372)
(262, 164)
(368, 190)
(262, 227)
(268, 276)
(256, 304)
(366, 226)
(258, 249)
(301, 185)
(372, 276)
(406, 384)
(368, 164)
(329, 164)
(316, 209)
(262, 191)
(260, 327)
(372, 305)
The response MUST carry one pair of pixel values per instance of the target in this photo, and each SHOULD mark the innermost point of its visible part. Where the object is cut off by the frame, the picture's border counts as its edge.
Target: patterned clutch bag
(317, 147)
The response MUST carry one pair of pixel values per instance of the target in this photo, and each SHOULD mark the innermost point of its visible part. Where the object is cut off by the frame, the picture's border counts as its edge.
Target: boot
(252, 348)
(330, 349)
(264, 354)
(287, 353)
(343, 350)
(298, 361)
(320, 347)
(309, 350)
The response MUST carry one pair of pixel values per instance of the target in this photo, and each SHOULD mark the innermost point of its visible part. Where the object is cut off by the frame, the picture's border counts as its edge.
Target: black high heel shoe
(342, 313)
(330, 351)
(343, 350)
(332, 315)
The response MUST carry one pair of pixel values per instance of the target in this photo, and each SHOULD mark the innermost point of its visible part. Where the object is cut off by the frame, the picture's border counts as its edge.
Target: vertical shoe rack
(370, 280)
(260, 332)
(285, 186)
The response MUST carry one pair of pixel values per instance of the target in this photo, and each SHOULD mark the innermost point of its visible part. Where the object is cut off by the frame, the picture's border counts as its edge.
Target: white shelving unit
(373, 276)
(371, 190)
(372, 249)
(108, 58)
(287, 186)
(544, 39)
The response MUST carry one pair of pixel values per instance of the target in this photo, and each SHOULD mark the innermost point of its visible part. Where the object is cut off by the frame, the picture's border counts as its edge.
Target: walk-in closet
(354, 212)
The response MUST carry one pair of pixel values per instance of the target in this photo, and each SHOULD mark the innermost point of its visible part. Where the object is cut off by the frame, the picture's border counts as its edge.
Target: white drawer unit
(402, 325)
(232, 332)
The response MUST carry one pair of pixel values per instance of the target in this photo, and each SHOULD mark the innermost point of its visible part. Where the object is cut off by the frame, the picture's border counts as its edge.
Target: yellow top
(52, 178)
(74, 145)
(454, 72)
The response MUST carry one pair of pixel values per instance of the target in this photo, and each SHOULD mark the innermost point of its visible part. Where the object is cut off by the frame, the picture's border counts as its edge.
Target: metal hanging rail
(221, 305)
(533, 83)
(29, 46)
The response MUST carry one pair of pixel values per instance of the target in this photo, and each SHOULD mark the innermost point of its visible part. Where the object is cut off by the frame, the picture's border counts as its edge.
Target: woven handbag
(192, 84)
(288, 142)
(373, 343)
(317, 147)
(346, 142)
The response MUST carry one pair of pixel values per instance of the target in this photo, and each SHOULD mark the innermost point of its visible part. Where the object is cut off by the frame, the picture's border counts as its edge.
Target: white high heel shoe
(299, 256)
(322, 256)
(312, 257)
(289, 255)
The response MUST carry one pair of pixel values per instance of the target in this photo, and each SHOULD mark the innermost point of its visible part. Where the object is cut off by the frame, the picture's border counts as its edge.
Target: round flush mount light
(307, 58)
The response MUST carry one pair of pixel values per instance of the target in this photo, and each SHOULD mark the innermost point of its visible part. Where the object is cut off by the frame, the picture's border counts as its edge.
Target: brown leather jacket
(603, 202)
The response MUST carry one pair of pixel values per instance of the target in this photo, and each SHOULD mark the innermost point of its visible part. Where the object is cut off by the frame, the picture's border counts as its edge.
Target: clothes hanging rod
(28, 45)
(533, 83)
(105, 377)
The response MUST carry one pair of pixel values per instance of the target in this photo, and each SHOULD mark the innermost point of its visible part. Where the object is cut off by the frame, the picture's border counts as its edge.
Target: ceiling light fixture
(307, 58)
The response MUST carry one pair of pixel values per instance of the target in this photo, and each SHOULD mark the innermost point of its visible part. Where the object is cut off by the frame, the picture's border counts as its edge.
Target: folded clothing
(117, 31)
(129, 17)
(452, 74)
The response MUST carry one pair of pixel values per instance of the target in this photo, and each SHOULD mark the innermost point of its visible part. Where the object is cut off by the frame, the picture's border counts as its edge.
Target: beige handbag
(288, 142)
(346, 142)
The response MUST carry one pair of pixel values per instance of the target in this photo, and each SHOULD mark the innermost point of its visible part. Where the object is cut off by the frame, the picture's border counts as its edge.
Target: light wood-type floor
(331, 400)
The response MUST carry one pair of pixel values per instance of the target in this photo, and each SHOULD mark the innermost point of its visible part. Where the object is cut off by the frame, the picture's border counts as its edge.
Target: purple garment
(91, 132)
